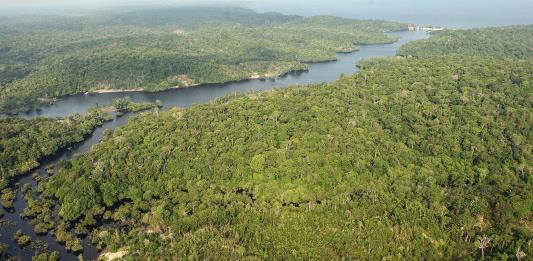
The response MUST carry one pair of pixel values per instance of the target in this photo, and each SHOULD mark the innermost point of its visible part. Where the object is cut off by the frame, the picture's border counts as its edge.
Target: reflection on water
(7, 232)
(318, 73)
(185, 97)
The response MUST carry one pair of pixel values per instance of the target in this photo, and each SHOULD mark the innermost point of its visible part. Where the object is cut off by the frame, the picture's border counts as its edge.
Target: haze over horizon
(453, 13)
(266, 129)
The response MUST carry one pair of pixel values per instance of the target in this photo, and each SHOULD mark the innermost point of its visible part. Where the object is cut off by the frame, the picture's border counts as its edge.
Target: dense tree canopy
(409, 158)
(25, 142)
(513, 42)
(46, 57)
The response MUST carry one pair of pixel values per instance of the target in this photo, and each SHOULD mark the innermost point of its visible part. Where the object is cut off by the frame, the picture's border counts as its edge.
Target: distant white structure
(413, 27)
(430, 29)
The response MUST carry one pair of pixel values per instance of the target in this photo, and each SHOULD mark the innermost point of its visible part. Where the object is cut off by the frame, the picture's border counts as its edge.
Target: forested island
(45, 57)
(427, 155)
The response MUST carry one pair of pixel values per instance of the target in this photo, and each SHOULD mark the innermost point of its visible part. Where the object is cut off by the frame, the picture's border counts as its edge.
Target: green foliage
(40, 212)
(408, 159)
(46, 57)
(7, 197)
(513, 42)
(121, 104)
(72, 243)
(24, 142)
(124, 105)
(21, 239)
(46, 256)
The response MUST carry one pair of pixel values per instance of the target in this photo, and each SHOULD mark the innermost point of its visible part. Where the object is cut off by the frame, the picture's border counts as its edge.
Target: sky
(450, 13)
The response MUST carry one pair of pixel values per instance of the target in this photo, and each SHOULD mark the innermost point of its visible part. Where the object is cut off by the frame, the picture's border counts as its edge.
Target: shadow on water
(185, 97)
(7, 232)
(318, 73)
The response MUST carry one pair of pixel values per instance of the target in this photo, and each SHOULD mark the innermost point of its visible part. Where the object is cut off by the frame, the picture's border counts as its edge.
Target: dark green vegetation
(24, 241)
(125, 105)
(46, 256)
(410, 158)
(21, 239)
(41, 215)
(40, 212)
(513, 42)
(25, 142)
(45, 57)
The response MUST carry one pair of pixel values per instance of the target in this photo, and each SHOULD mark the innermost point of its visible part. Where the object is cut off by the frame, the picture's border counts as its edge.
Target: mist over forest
(453, 13)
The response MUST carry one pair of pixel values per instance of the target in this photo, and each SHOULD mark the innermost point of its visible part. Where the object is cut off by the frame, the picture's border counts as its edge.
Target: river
(318, 73)
(185, 97)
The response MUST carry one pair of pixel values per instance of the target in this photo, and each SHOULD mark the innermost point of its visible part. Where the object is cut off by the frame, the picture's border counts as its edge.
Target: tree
(122, 104)
(482, 243)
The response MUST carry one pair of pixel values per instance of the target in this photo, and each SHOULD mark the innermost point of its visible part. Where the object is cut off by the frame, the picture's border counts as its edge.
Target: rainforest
(43, 58)
(427, 154)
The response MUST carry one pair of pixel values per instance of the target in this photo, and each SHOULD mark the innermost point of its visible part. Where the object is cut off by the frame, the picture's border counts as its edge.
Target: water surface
(318, 73)
(185, 97)
(449, 13)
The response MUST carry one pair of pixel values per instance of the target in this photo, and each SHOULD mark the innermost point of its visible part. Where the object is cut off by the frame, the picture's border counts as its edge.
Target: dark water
(318, 73)
(6, 234)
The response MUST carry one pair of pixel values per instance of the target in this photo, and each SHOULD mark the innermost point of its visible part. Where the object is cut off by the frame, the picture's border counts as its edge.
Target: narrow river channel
(318, 73)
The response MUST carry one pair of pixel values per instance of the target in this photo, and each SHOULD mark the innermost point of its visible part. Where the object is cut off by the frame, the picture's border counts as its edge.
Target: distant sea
(447, 13)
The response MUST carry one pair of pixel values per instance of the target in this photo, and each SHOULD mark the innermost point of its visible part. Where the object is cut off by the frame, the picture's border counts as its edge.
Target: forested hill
(196, 17)
(46, 57)
(411, 158)
(513, 42)
(186, 17)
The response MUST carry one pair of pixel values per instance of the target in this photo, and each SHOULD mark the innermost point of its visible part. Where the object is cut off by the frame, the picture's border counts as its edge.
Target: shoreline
(86, 241)
(251, 78)
(8, 114)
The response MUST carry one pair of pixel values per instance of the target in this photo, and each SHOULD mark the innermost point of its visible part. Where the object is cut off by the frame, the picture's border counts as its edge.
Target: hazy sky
(92, 2)
(305, 3)
(454, 13)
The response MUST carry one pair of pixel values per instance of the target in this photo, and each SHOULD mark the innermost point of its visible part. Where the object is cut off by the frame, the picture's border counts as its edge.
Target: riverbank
(29, 180)
(254, 76)
(185, 97)
(317, 72)
(21, 217)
